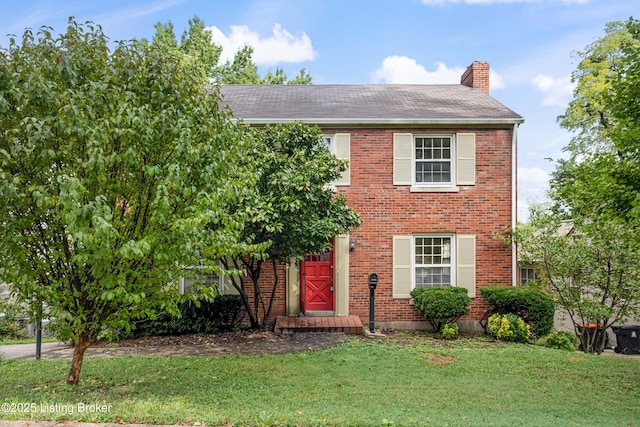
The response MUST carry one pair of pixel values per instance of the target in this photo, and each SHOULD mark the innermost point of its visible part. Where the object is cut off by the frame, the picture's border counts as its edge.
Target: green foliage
(590, 266)
(441, 304)
(449, 331)
(202, 316)
(200, 54)
(10, 321)
(509, 327)
(535, 307)
(561, 340)
(292, 212)
(116, 169)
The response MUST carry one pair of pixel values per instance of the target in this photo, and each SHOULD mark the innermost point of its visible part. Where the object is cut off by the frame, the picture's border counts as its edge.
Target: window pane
(433, 276)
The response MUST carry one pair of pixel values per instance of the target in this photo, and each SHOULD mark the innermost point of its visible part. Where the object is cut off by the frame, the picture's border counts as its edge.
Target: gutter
(381, 121)
(514, 202)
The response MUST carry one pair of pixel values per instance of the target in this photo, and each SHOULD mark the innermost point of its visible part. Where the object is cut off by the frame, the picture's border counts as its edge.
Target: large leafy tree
(116, 169)
(293, 212)
(593, 270)
(204, 55)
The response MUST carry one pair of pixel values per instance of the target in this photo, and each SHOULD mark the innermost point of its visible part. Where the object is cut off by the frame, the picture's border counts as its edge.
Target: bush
(441, 304)
(561, 340)
(533, 306)
(11, 326)
(509, 327)
(223, 313)
(449, 331)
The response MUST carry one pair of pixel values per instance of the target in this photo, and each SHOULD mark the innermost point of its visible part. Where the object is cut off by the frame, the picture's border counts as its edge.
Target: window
(340, 145)
(433, 260)
(328, 141)
(197, 276)
(433, 159)
(434, 163)
(527, 275)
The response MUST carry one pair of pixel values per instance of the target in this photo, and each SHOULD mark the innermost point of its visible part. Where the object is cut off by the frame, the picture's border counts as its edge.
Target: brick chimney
(476, 76)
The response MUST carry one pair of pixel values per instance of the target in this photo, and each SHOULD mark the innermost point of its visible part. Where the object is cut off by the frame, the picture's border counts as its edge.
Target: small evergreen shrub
(223, 313)
(449, 331)
(441, 304)
(561, 340)
(509, 327)
(534, 307)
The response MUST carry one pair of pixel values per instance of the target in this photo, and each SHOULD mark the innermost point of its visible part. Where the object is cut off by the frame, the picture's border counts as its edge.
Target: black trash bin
(627, 339)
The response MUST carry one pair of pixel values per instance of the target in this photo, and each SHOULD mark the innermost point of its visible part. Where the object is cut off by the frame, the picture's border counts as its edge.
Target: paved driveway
(28, 351)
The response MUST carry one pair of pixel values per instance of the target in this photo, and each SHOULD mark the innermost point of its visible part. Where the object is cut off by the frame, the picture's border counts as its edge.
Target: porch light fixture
(352, 245)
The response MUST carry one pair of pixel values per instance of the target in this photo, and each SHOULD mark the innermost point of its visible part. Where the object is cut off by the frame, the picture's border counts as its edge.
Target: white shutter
(466, 159)
(402, 148)
(466, 263)
(402, 272)
(342, 143)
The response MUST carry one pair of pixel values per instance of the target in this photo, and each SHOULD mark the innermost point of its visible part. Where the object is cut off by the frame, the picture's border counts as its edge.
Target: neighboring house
(433, 176)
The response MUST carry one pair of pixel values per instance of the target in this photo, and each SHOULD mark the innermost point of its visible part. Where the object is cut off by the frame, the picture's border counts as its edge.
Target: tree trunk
(76, 363)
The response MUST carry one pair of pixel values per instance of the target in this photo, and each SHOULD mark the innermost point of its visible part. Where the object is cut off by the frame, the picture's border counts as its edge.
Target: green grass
(468, 382)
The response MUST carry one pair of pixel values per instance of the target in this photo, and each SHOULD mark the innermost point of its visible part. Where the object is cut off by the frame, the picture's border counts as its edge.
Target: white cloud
(490, 2)
(404, 70)
(557, 91)
(533, 184)
(282, 46)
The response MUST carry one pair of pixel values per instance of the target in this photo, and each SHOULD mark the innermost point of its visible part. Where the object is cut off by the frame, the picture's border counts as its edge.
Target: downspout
(514, 202)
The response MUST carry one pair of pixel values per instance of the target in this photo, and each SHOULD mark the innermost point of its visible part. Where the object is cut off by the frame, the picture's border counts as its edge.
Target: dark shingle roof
(366, 104)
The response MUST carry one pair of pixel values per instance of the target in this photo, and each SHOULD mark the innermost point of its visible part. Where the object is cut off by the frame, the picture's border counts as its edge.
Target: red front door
(317, 283)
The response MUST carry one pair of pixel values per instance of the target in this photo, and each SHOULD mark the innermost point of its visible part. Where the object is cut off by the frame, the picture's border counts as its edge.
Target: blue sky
(528, 43)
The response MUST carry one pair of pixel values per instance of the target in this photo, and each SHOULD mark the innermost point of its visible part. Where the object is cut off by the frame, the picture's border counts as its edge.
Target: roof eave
(378, 121)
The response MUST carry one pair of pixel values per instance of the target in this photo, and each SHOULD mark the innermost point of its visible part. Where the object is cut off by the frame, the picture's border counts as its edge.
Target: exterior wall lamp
(352, 245)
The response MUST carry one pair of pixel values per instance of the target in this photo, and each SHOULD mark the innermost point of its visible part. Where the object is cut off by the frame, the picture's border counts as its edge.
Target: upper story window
(433, 160)
(328, 141)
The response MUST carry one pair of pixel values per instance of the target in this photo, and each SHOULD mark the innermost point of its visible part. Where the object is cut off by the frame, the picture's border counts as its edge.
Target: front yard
(411, 379)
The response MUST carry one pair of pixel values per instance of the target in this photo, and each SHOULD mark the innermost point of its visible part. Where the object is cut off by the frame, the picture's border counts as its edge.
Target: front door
(316, 293)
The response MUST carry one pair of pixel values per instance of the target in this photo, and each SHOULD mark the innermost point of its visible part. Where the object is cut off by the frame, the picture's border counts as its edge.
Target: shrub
(11, 326)
(533, 306)
(223, 313)
(449, 331)
(561, 340)
(441, 304)
(509, 327)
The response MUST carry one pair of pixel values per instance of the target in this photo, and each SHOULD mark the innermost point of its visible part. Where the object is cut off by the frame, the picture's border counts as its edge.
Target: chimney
(476, 76)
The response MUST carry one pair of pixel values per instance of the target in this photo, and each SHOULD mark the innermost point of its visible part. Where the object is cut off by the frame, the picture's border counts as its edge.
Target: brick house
(433, 176)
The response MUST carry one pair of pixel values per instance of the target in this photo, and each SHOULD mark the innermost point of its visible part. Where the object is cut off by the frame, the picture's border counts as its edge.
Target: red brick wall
(266, 283)
(386, 210)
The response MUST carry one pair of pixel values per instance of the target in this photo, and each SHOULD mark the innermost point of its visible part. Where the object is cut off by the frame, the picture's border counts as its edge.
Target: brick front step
(347, 324)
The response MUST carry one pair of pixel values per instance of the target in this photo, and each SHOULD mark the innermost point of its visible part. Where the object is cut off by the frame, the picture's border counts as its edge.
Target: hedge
(533, 306)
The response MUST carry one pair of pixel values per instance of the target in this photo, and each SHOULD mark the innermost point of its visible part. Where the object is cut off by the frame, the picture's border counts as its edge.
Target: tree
(116, 169)
(203, 55)
(293, 211)
(602, 170)
(593, 270)
(590, 267)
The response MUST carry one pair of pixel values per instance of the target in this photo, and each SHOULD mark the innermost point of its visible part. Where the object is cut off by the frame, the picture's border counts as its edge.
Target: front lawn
(416, 381)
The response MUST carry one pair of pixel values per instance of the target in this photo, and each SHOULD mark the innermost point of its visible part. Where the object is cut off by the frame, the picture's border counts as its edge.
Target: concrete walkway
(28, 351)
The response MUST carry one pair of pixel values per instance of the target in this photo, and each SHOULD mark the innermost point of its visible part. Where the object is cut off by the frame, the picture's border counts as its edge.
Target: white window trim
(434, 186)
(452, 264)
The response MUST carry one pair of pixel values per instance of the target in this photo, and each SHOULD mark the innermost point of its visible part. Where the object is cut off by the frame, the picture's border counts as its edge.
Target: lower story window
(433, 261)
(527, 275)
